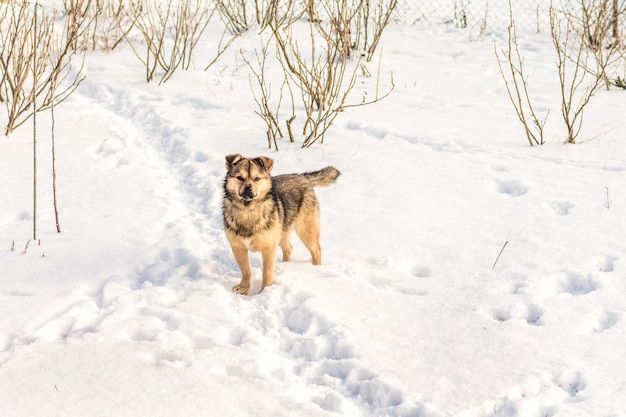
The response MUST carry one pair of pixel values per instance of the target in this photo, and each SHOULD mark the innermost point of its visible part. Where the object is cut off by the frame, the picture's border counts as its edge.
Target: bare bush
(109, 24)
(357, 24)
(336, 24)
(28, 55)
(516, 83)
(237, 15)
(170, 32)
(573, 58)
(277, 12)
(596, 24)
(374, 19)
(268, 108)
(320, 80)
(237, 18)
(324, 79)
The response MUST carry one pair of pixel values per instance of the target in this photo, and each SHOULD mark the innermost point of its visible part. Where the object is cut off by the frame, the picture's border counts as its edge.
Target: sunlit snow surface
(129, 311)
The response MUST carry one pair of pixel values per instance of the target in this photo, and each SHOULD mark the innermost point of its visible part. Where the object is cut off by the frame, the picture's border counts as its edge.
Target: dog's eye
(257, 179)
(240, 178)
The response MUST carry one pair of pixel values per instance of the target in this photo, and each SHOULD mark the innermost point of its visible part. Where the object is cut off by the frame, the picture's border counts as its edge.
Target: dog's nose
(247, 193)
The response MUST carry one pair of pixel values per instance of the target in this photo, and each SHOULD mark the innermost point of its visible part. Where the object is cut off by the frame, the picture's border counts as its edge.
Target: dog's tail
(323, 177)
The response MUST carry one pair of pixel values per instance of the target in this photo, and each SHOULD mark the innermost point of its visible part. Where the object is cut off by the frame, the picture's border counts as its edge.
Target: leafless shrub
(517, 87)
(596, 24)
(336, 25)
(109, 24)
(277, 12)
(237, 15)
(357, 24)
(381, 19)
(320, 80)
(573, 57)
(41, 55)
(325, 79)
(268, 109)
(170, 32)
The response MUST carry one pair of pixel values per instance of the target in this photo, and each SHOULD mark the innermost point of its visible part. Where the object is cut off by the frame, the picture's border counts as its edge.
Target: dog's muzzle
(247, 194)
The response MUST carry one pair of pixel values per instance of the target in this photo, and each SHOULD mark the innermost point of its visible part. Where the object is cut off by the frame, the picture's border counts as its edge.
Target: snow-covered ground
(129, 311)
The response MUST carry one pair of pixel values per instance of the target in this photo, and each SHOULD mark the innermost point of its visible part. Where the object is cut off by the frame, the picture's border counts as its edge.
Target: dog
(261, 211)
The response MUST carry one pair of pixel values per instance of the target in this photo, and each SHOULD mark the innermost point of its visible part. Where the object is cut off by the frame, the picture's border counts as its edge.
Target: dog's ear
(265, 162)
(231, 160)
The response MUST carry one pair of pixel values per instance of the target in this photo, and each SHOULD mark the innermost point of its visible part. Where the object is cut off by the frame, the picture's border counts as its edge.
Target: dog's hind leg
(308, 230)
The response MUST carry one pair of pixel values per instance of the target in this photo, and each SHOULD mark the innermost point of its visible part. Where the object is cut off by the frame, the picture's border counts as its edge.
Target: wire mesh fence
(480, 15)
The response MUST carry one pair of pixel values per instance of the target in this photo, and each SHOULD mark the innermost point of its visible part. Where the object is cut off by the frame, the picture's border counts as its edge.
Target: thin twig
(501, 250)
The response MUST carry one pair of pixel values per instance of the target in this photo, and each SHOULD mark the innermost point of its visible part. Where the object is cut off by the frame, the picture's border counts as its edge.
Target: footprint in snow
(576, 283)
(569, 282)
(530, 313)
(600, 321)
(606, 263)
(512, 188)
(539, 395)
(400, 279)
(571, 382)
(321, 357)
(562, 208)
(421, 271)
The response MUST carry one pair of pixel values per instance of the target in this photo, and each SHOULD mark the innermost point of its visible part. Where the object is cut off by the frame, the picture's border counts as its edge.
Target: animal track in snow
(540, 395)
(571, 382)
(74, 320)
(499, 168)
(404, 281)
(600, 321)
(512, 188)
(531, 313)
(421, 271)
(562, 208)
(576, 283)
(320, 356)
(606, 263)
(569, 282)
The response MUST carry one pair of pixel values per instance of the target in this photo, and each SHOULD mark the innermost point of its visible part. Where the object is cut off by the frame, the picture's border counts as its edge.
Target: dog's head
(248, 178)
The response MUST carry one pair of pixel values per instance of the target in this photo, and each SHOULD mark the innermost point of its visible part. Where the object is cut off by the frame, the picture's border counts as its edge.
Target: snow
(129, 311)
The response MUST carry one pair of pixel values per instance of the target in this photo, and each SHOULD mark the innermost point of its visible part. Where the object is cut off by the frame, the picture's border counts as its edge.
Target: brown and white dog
(260, 212)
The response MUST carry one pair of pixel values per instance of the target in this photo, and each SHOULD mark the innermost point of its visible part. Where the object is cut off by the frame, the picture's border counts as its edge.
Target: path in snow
(164, 312)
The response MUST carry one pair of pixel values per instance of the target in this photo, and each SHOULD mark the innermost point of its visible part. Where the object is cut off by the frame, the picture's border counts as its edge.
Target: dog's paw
(240, 289)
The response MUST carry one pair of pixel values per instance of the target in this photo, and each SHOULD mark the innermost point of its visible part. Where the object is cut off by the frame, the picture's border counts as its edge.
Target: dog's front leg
(241, 256)
(269, 265)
